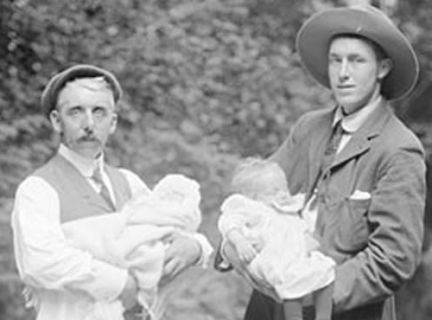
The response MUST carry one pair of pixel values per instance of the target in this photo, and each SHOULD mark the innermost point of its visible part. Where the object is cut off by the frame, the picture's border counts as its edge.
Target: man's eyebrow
(349, 55)
(75, 106)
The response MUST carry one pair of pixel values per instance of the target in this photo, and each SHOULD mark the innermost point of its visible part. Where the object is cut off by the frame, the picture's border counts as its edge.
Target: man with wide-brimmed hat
(362, 169)
(63, 281)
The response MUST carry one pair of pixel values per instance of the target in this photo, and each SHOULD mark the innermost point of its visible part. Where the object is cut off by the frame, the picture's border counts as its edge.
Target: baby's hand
(257, 243)
(245, 251)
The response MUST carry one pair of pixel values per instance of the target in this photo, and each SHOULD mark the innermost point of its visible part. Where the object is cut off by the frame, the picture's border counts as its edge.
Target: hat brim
(314, 38)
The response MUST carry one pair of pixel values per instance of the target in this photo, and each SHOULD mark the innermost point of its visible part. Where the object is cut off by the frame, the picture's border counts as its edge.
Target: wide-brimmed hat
(51, 92)
(314, 38)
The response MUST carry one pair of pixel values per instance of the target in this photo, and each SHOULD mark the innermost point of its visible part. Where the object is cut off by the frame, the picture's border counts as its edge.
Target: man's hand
(182, 252)
(128, 296)
(230, 253)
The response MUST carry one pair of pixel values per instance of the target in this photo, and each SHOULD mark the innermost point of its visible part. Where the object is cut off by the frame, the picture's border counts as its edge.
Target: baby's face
(272, 184)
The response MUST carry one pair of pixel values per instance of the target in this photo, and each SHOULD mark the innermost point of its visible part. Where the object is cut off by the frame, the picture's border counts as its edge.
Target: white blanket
(134, 238)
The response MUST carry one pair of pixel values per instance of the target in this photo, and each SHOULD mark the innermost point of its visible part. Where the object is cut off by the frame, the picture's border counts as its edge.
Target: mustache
(89, 137)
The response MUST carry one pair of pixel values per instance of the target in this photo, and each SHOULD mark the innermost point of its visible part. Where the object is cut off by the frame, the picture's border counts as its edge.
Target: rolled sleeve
(206, 250)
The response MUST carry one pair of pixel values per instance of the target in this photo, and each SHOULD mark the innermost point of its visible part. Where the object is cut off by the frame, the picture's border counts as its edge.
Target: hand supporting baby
(183, 251)
(232, 256)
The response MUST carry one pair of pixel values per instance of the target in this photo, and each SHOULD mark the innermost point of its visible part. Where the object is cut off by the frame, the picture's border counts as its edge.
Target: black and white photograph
(215, 160)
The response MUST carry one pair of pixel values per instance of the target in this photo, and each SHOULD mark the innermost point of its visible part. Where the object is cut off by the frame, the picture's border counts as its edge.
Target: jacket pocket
(352, 232)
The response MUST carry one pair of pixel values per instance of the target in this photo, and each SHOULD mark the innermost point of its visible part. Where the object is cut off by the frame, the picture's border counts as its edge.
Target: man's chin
(350, 105)
(90, 150)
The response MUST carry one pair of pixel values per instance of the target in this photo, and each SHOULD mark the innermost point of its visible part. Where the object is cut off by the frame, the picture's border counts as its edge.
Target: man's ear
(384, 68)
(55, 121)
(113, 123)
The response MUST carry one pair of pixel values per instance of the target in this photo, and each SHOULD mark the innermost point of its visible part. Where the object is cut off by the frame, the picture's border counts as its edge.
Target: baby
(261, 221)
(136, 239)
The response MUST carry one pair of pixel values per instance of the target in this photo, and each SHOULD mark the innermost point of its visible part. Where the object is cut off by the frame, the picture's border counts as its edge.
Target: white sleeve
(206, 249)
(44, 257)
(237, 212)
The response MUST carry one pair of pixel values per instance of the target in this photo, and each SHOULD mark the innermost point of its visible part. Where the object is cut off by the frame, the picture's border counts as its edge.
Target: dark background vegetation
(205, 82)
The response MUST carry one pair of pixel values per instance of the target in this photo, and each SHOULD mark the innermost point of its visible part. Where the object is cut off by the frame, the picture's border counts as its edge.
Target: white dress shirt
(62, 281)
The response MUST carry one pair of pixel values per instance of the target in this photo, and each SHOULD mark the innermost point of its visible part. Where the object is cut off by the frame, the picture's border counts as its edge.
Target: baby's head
(259, 179)
(176, 188)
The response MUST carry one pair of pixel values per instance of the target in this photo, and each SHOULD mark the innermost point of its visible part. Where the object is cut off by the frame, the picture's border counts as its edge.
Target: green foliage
(205, 82)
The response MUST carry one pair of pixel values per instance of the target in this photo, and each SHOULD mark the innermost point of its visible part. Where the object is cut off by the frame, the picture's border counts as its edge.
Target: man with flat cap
(63, 282)
(362, 169)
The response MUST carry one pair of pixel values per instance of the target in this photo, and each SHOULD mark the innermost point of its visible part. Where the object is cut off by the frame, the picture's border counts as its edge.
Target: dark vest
(77, 197)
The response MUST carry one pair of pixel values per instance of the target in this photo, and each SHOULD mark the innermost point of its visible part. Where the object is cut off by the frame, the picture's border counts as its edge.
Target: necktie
(97, 177)
(332, 147)
(329, 155)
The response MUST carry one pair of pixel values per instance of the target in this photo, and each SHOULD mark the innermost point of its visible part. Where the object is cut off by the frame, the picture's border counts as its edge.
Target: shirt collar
(84, 165)
(352, 122)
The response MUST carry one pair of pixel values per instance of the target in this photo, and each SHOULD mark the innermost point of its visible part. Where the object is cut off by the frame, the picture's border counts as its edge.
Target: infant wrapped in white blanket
(134, 238)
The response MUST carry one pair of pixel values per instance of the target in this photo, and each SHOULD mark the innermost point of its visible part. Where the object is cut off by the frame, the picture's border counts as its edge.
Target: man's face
(84, 117)
(355, 72)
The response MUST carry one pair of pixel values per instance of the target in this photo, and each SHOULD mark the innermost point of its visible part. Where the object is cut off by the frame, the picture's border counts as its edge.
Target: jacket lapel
(362, 139)
(319, 139)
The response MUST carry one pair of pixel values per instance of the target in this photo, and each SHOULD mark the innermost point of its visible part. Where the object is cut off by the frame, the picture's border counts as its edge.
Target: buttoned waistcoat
(77, 198)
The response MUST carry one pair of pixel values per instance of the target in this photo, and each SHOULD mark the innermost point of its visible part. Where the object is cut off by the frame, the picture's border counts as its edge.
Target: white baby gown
(284, 264)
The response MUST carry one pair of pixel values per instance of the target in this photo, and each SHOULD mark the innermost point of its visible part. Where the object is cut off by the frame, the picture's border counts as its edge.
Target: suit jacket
(376, 238)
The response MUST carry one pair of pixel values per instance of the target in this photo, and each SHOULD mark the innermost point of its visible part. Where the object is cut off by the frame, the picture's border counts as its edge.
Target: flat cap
(52, 90)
